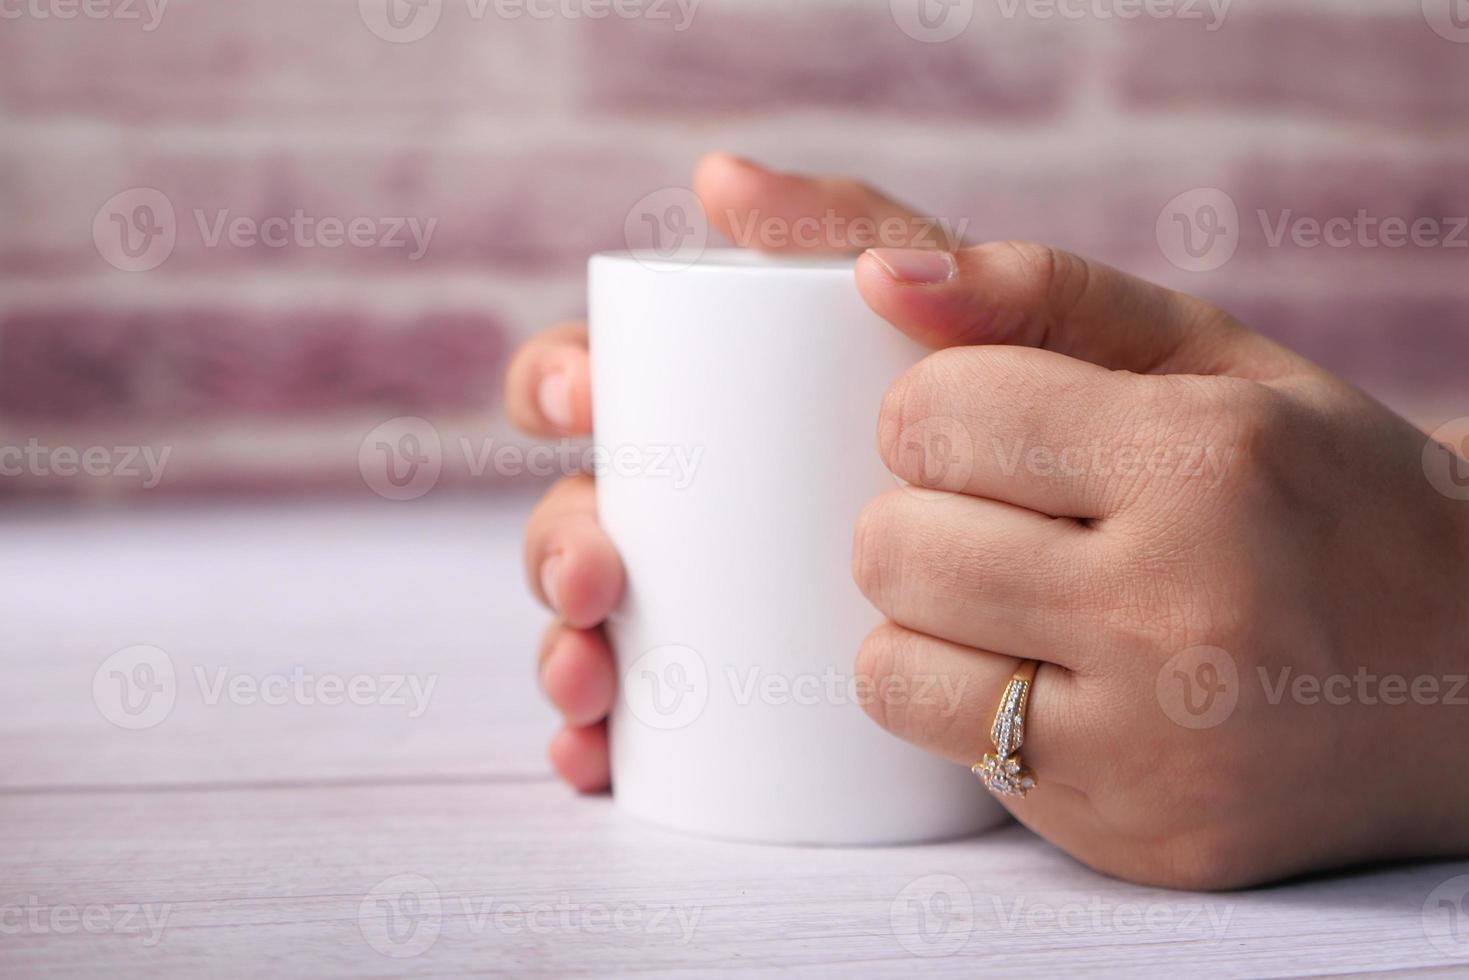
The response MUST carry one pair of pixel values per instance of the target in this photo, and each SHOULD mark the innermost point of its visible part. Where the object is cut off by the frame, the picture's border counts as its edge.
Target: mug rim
(735, 260)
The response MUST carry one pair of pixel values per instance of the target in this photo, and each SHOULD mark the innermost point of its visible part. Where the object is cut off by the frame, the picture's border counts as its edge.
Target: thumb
(1021, 294)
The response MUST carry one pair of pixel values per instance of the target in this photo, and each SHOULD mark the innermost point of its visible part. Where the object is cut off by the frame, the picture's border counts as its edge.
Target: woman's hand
(1227, 561)
(1219, 553)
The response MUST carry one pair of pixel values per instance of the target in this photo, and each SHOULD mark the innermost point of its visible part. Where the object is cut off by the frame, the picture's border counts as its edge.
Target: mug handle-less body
(735, 402)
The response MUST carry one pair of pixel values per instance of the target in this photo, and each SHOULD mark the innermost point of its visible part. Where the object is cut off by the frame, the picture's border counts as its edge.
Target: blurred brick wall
(527, 141)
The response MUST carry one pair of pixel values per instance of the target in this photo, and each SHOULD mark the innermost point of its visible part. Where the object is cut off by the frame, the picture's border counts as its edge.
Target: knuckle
(870, 548)
(893, 672)
(1256, 412)
(1246, 423)
(1057, 277)
(880, 659)
(876, 661)
(892, 419)
(927, 393)
(1206, 438)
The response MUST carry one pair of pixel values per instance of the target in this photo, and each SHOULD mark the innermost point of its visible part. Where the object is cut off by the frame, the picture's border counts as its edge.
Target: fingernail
(554, 398)
(549, 568)
(919, 266)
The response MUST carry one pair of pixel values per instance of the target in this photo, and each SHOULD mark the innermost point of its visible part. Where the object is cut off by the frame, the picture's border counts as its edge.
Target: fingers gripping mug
(735, 402)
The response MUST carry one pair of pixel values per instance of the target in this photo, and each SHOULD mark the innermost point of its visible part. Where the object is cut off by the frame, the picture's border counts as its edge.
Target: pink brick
(189, 364)
(1291, 189)
(275, 59)
(1395, 343)
(1390, 67)
(850, 57)
(1423, 185)
(518, 211)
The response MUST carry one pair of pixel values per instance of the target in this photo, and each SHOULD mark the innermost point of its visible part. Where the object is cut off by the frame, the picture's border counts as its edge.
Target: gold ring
(1001, 771)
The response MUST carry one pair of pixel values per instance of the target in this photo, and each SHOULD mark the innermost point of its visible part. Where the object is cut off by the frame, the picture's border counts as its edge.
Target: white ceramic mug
(735, 402)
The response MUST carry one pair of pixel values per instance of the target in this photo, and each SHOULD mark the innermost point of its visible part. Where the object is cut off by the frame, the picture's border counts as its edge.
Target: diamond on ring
(1001, 771)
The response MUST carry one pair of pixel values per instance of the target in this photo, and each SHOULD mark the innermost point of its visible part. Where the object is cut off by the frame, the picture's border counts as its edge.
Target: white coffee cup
(735, 402)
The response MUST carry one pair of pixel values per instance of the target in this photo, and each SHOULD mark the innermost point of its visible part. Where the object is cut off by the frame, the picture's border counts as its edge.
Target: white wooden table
(401, 836)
